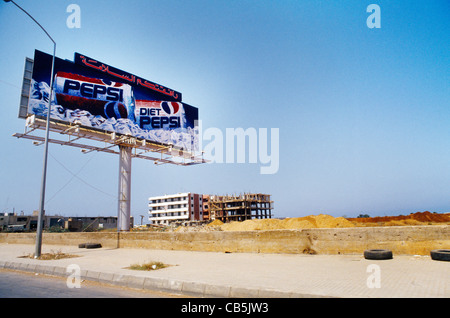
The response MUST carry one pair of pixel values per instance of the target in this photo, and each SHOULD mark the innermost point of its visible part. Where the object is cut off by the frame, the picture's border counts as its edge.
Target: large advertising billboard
(96, 95)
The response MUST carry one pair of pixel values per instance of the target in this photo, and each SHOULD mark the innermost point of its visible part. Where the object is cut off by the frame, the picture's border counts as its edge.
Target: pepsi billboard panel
(99, 96)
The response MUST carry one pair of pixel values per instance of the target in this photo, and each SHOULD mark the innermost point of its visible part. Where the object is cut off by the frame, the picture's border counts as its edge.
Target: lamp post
(40, 225)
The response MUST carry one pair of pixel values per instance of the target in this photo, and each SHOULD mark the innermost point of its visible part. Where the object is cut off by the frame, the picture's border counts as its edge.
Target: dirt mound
(215, 223)
(312, 221)
(418, 218)
(321, 221)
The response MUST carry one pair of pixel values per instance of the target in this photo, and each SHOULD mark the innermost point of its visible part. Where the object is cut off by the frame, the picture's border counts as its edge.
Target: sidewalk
(210, 274)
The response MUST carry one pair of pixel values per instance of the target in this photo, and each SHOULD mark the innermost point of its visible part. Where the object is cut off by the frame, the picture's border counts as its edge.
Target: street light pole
(40, 224)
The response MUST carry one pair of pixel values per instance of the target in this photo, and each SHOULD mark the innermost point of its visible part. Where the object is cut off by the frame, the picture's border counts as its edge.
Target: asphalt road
(16, 284)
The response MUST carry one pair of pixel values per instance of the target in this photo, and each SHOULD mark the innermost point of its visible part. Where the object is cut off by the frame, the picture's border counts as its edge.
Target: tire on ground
(377, 254)
(93, 245)
(440, 255)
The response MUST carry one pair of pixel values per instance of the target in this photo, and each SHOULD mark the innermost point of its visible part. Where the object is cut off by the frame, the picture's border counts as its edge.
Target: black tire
(82, 245)
(93, 245)
(378, 254)
(440, 255)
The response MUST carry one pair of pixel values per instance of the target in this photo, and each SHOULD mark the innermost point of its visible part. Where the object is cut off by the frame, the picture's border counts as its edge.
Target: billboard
(99, 96)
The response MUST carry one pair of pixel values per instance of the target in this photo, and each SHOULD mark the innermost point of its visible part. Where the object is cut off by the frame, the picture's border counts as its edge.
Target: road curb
(156, 283)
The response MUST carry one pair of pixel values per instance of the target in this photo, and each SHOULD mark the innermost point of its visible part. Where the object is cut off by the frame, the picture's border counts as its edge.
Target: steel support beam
(124, 202)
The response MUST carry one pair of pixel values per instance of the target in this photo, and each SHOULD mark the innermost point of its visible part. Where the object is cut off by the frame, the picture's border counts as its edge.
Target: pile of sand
(327, 221)
(216, 222)
(312, 221)
(418, 218)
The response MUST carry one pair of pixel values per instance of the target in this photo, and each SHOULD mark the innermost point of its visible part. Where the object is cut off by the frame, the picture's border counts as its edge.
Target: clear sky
(363, 113)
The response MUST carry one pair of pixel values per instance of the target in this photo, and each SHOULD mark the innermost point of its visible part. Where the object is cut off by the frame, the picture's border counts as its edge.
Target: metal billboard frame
(142, 148)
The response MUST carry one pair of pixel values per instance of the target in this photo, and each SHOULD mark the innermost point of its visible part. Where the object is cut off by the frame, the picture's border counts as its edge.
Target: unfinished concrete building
(240, 207)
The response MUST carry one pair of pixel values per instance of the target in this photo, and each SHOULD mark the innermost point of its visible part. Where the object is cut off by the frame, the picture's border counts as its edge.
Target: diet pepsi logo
(170, 108)
(165, 117)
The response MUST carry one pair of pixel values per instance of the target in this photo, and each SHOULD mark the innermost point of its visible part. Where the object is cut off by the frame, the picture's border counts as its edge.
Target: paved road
(245, 275)
(17, 284)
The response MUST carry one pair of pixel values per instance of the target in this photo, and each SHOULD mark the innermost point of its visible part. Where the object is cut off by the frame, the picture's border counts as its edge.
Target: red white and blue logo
(159, 114)
(170, 108)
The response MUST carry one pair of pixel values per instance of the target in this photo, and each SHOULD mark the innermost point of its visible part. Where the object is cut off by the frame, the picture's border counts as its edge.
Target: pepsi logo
(111, 83)
(115, 110)
(170, 108)
(107, 82)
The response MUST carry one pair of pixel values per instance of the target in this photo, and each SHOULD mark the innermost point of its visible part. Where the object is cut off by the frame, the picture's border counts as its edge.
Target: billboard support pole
(124, 208)
(40, 224)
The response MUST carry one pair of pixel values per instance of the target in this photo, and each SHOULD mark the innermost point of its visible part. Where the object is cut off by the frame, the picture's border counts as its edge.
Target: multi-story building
(178, 207)
(241, 207)
(206, 207)
(186, 207)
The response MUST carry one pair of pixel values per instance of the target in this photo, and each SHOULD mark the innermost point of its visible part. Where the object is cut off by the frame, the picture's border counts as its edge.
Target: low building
(11, 222)
(18, 223)
(90, 224)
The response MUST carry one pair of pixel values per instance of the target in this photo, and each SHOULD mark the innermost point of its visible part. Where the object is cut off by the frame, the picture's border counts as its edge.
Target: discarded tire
(89, 245)
(378, 254)
(93, 245)
(440, 255)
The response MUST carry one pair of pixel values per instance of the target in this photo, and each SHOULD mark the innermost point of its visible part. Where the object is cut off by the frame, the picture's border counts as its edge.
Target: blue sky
(363, 114)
